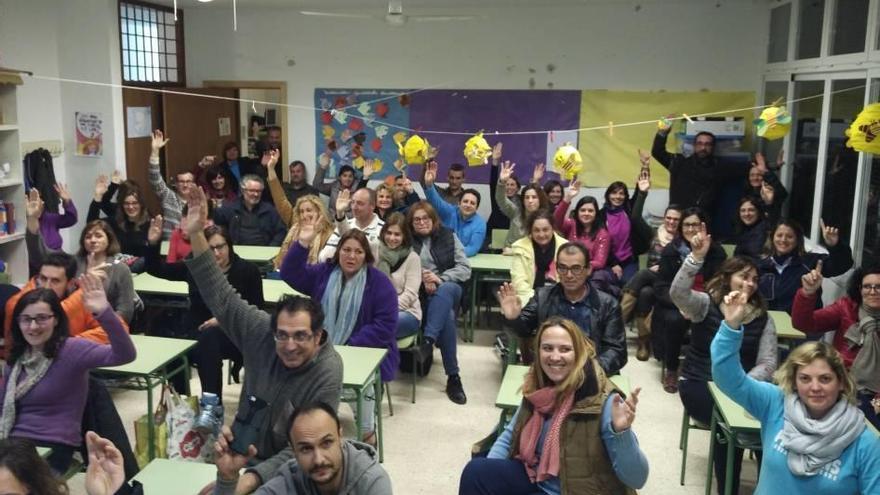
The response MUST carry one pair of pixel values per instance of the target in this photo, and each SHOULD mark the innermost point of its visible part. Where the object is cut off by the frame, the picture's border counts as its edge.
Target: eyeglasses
(299, 337)
(26, 320)
(421, 219)
(185, 181)
(218, 247)
(574, 270)
(871, 288)
(253, 191)
(690, 225)
(131, 203)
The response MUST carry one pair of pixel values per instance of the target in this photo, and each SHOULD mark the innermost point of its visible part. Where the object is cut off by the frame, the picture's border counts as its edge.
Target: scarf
(342, 303)
(35, 364)
(865, 368)
(544, 265)
(544, 403)
(813, 443)
(664, 237)
(391, 259)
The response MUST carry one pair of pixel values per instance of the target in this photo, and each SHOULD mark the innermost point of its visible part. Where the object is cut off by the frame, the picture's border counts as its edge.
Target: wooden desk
(785, 331)
(166, 477)
(736, 421)
(360, 370)
(151, 368)
(273, 290)
(254, 254)
(483, 265)
(144, 283)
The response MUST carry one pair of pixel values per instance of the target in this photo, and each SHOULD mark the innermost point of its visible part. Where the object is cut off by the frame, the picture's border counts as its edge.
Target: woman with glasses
(751, 227)
(670, 324)
(128, 217)
(534, 256)
(359, 301)
(213, 346)
(855, 321)
(45, 379)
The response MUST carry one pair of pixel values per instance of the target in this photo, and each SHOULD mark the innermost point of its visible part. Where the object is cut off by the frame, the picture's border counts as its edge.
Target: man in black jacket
(594, 311)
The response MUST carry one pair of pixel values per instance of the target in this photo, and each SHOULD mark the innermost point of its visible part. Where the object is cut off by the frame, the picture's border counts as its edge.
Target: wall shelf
(8, 127)
(5, 239)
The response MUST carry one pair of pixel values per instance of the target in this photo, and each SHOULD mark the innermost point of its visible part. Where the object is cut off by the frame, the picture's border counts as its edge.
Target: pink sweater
(598, 246)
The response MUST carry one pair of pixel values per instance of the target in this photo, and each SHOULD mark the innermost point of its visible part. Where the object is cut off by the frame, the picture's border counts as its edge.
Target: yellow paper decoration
(567, 161)
(377, 164)
(358, 163)
(476, 150)
(415, 150)
(774, 123)
(399, 137)
(664, 124)
(864, 132)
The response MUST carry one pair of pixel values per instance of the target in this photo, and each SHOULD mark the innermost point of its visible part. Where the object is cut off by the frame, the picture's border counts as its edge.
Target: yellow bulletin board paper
(614, 156)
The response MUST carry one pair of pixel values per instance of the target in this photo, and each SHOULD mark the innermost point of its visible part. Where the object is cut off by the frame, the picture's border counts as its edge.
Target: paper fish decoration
(864, 132)
(326, 117)
(773, 123)
(377, 165)
(364, 109)
(356, 124)
(415, 150)
(339, 115)
(381, 131)
(476, 150)
(382, 110)
(358, 163)
(399, 136)
(376, 145)
(567, 161)
(328, 132)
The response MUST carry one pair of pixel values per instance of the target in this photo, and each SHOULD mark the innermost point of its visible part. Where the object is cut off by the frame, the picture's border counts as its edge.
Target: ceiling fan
(394, 16)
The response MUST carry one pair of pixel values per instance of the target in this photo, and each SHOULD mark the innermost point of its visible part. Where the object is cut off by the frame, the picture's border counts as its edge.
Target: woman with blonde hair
(570, 435)
(814, 437)
(311, 210)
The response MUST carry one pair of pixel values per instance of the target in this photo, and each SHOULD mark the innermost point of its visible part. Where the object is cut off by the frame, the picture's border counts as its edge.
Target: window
(151, 43)
(780, 18)
(850, 27)
(810, 28)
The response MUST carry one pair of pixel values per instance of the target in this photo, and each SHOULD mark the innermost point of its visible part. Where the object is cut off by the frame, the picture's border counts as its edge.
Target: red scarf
(544, 403)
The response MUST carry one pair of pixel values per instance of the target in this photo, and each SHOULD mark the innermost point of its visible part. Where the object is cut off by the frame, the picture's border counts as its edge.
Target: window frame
(179, 47)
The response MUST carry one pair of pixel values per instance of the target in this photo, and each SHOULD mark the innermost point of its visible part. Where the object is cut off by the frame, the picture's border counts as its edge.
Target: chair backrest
(728, 249)
(498, 238)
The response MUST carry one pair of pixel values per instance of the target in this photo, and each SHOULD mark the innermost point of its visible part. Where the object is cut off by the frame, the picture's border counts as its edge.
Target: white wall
(684, 45)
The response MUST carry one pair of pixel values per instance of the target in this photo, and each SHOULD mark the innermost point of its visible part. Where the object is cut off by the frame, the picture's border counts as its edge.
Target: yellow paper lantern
(567, 161)
(415, 150)
(864, 132)
(476, 150)
(773, 123)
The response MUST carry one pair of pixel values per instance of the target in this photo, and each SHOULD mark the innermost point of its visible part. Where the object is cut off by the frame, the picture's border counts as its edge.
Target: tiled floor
(428, 443)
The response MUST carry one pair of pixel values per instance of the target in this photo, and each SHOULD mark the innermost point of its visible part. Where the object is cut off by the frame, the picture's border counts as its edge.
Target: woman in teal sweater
(814, 438)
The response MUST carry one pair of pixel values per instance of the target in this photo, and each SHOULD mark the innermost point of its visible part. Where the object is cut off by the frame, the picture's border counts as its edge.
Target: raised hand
(617, 270)
(511, 306)
(432, 152)
(780, 158)
(106, 473)
(307, 231)
(34, 207)
(101, 186)
(574, 188)
(767, 193)
(368, 168)
(430, 173)
(506, 170)
(343, 201)
(496, 152)
(830, 234)
(63, 192)
(623, 412)
(760, 162)
(407, 185)
(734, 308)
(158, 141)
(812, 281)
(206, 161)
(644, 182)
(399, 165)
(94, 297)
(116, 177)
(644, 158)
(229, 462)
(154, 233)
(700, 243)
(197, 212)
(270, 158)
(324, 160)
(538, 173)
(210, 322)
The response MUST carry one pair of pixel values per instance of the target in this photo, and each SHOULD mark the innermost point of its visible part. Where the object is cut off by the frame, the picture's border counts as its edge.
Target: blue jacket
(856, 471)
(271, 227)
(471, 231)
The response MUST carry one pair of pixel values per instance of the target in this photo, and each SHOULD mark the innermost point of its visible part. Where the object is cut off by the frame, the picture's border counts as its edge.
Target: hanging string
(234, 16)
(175, 10)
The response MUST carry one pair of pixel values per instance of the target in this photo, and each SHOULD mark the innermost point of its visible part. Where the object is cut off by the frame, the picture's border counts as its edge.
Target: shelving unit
(12, 247)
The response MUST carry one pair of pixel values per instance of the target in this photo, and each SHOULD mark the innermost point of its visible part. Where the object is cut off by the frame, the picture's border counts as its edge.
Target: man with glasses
(594, 311)
(287, 357)
(172, 202)
(250, 221)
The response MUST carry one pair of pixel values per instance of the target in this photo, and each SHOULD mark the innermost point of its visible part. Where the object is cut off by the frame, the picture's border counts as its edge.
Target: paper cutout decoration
(864, 132)
(358, 163)
(476, 150)
(376, 145)
(381, 131)
(382, 110)
(364, 109)
(339, 115)
(399, 137)
(356, 124)
(326, 118)
(328, 132)
(567, 161)
(664, 124)
(773, 123)
(415, 150)
(377, 165)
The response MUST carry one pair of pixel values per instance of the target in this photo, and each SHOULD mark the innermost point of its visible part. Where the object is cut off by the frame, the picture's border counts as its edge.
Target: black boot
(454, 390)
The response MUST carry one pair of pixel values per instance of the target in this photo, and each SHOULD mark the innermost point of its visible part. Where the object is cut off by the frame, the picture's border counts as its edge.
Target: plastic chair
(410, 345)
(498, 238)
(688, 424)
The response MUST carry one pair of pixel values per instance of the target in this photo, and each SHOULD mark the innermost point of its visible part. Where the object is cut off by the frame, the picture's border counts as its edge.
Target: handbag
(183, 442)
(142, 436)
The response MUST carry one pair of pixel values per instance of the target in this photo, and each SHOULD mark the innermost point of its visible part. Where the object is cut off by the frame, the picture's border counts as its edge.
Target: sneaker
(210, 417)
(454, 390)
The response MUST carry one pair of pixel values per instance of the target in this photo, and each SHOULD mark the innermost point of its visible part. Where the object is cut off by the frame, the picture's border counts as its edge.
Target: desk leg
(728, 480)
(712, 431)
(377, 384)
(470, 321)
(359, 395)
(151, 427)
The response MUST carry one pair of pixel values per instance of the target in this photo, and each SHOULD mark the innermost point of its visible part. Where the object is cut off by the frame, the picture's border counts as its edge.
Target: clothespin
(687, 117)
(552, 137)
(777, 102)
(611, 128)
(254, 106)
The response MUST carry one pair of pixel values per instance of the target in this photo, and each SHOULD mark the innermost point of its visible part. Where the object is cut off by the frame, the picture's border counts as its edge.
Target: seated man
(594, 311)
(464, 220)
(250, 221)
(288, 359)
(324, 462)
(364, 218)
(454, 177)
(172, 201)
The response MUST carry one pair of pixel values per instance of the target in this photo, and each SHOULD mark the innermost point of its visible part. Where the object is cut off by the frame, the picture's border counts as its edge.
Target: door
(137, 149)
(197, 126)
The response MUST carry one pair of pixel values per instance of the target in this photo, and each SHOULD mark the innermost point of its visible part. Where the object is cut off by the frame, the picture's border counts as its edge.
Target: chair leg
(683, 445)
(388, 393)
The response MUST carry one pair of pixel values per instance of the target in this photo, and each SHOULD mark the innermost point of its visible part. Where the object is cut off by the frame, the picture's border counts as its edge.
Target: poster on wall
(89, 134)
(139, 120)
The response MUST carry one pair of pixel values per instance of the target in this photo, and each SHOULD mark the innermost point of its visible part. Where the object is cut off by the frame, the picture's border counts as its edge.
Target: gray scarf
(813, 443)
(342, 304)
(391, 259)
(35, 364)
(863, 334)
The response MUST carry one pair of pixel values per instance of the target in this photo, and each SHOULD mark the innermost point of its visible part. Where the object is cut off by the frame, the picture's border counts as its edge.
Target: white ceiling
(361, 5)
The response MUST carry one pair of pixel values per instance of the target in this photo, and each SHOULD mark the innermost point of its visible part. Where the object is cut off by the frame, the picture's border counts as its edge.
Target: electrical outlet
(55, 147)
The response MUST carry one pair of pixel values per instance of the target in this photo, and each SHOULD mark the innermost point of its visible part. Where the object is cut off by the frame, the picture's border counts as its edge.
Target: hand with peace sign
(644, 182)
(574, 188)
(506, 171)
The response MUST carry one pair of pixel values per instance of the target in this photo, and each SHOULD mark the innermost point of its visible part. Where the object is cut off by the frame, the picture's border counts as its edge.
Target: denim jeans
(440, 323)
(484, 476)
(407, 324)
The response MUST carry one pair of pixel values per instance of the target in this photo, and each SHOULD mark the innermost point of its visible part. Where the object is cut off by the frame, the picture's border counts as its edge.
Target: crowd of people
(377, 264)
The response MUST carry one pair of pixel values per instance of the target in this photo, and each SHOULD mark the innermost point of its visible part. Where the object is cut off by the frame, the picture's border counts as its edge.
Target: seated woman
(531, 198)
(638, 294)
(571, 434)
(220, 187)
(445, 268)
(404, 268)
(345, 181)
(129, 223)
(758, 353)
(308, 210)
(534, 256)
(780, 271)
(554, 191)
(814, 439)
(854, 319)
(359, 301)
(46, 376)
(51, 222)
(764, 186)
(583, 225)
(670, 324)
(214, 346)
(619, 216)
(751, 227)
(384, 201)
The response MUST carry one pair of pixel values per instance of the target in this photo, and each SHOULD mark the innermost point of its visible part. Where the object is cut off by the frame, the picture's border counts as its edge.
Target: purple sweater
(52, 410)
(618, 226)
(376, 324)
(52, 222)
